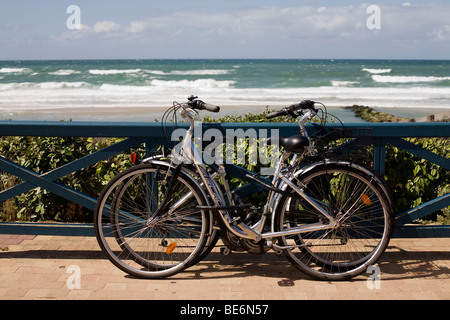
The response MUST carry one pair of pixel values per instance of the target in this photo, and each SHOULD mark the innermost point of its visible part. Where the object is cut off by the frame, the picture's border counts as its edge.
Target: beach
(151, 114)
(143, 114)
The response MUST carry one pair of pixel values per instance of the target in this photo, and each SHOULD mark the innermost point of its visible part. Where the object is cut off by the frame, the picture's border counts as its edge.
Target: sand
(149, 114)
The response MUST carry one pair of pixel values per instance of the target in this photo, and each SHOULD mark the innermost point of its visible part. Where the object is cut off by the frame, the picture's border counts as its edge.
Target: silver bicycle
(331, 218)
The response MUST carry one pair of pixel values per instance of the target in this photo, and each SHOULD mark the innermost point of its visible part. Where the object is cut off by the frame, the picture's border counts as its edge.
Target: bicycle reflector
(366, 199)
(134, 158)
(171, 247)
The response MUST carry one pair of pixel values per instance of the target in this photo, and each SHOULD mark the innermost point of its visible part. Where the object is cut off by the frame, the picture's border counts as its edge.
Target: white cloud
(137, 26)
(278, 31)
(290, 23)
(256, 23)
(106, 26)
(76, 34)
(419, 23)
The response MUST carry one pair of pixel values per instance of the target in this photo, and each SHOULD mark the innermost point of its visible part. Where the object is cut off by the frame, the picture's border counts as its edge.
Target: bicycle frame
(280, 181)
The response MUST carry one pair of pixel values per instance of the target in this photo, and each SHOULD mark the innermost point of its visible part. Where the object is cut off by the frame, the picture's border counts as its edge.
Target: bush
(43, 154)
(415, 181)
(412, 180)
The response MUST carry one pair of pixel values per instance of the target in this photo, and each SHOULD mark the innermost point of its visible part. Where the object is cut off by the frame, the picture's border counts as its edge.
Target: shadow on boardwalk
(410, 269)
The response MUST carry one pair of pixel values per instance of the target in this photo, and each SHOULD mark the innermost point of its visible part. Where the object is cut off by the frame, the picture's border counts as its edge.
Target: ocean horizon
(138, 90)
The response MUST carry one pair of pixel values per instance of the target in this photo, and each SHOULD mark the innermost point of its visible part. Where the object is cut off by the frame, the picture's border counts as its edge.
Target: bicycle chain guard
(236, 244)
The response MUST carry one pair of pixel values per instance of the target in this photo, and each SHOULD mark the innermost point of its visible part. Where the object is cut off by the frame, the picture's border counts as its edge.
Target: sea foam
(193, 84)
(377, 71)
(208, 72)
(64, 72)
(407, 79)
(15, 70)
(113, 71)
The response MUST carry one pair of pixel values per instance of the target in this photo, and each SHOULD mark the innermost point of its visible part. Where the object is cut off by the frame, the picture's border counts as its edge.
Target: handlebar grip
(200, 105)
(275, 114)
(211, 107)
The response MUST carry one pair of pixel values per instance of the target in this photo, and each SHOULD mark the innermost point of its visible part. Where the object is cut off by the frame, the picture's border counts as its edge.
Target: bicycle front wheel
(361, 207)
(144, 238)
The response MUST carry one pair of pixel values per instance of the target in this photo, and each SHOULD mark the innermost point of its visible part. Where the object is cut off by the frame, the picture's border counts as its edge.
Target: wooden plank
(154, 129)
(38, 181)
(423, 210)
(53, 229)
(379, 156)
(421, 152)
(419, 231)
(72, 166)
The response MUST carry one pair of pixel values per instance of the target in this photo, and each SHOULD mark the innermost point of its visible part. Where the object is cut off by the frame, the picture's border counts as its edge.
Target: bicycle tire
(363, 207)
(143, 239)
(214, 233)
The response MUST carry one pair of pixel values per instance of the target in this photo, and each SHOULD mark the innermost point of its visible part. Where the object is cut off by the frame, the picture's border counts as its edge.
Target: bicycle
(331, 218)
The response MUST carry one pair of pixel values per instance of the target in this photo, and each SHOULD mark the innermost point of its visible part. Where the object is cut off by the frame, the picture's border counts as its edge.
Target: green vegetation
(415, 181)
(249, 117)
(412, 180)
(43, 154)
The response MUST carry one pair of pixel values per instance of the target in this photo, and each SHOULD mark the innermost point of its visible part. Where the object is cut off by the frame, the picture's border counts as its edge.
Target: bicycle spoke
(148, 240)
(360, 235)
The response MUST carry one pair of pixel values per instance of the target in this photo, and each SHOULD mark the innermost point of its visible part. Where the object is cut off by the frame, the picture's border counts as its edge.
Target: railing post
(150, 146)
(379, 156)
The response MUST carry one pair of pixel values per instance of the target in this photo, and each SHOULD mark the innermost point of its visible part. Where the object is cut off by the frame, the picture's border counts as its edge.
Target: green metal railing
(151, 134)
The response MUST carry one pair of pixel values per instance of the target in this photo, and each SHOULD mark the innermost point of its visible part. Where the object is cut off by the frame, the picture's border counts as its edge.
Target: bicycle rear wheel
(361, 207)
(140, 236)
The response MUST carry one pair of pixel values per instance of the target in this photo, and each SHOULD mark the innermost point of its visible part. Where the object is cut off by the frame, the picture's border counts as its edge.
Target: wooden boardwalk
(45, 267)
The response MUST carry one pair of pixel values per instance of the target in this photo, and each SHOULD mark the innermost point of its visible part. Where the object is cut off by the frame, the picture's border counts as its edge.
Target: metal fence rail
(151, 134)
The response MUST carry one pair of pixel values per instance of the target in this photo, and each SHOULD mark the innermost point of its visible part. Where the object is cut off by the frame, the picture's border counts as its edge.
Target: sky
(224, 29)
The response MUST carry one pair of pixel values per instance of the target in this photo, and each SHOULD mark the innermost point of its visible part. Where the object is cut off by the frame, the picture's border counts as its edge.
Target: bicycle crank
(254, 247)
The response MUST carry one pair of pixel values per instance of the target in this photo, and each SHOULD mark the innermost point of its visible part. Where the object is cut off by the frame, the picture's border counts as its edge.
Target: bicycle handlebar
(282, 112)
(200, 105)
(305, 104)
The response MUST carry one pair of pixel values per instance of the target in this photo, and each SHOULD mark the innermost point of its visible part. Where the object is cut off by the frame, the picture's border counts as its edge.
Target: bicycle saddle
(295, 143)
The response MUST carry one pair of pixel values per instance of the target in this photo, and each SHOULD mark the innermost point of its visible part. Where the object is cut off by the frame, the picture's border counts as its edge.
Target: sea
(140, 90)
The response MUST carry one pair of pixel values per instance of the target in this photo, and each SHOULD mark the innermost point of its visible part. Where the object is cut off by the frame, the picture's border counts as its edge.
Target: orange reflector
(171, 247)
(366, 199)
